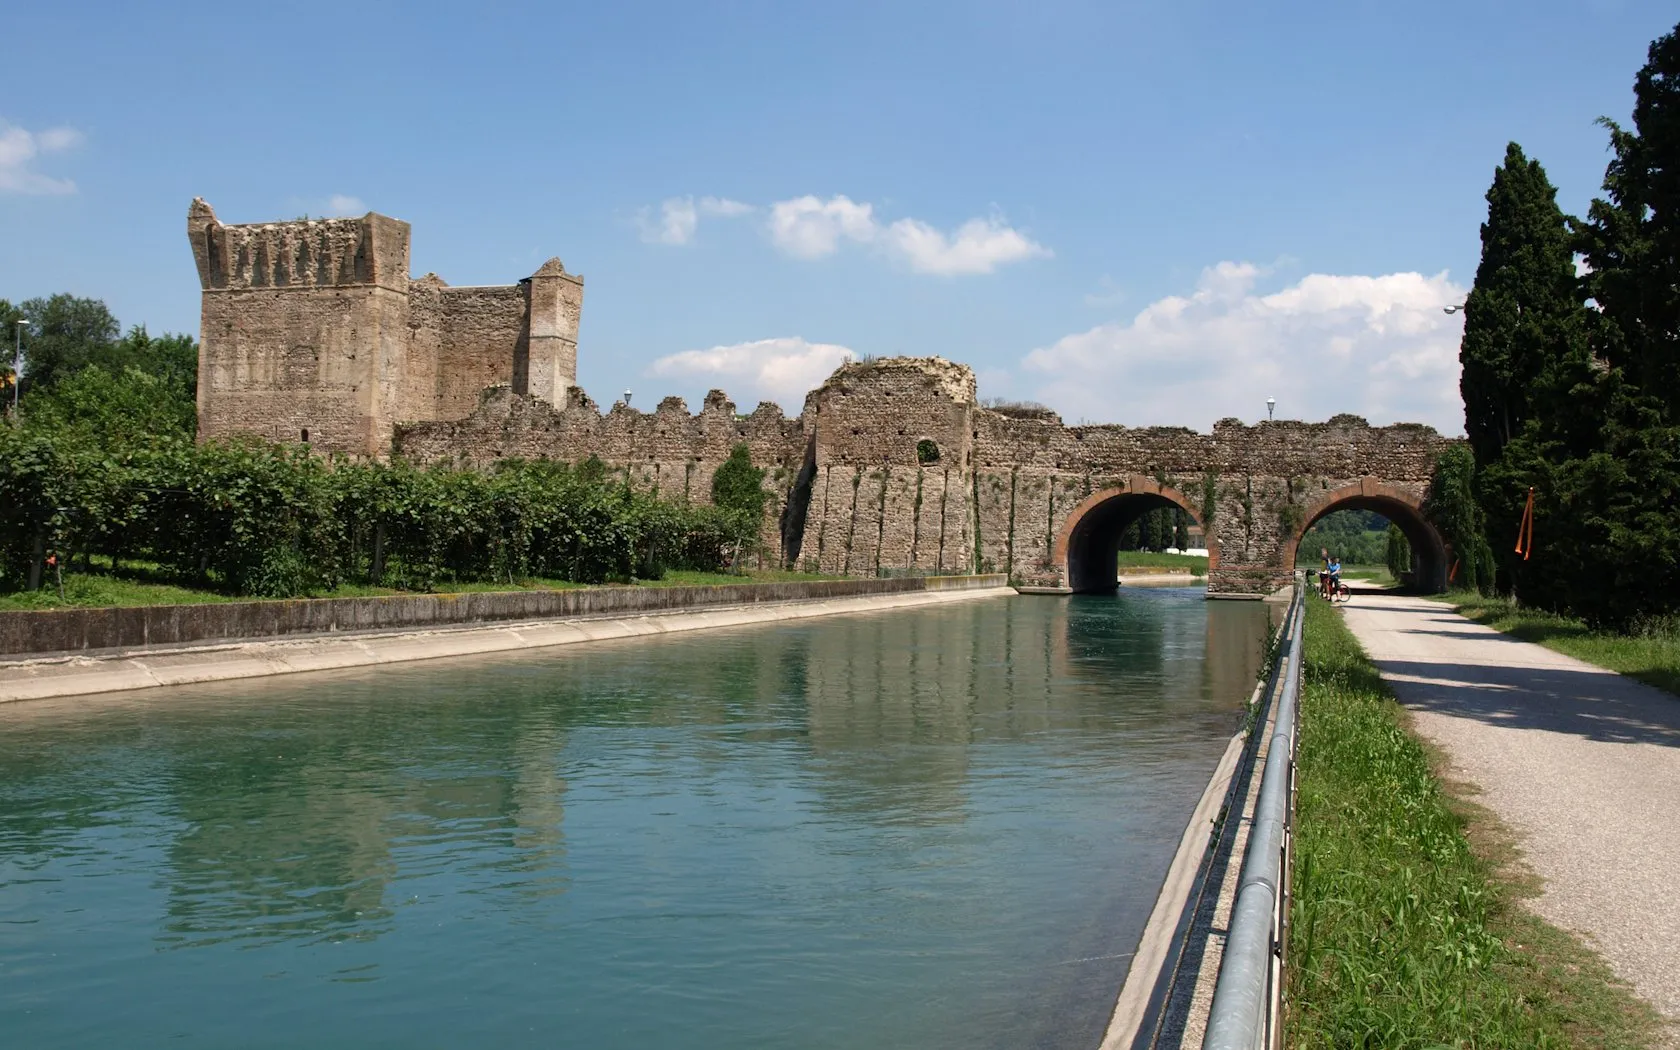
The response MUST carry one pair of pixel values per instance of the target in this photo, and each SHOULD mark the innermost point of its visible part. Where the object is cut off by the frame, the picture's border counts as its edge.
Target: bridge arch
(1429, 551)
(1088, 545)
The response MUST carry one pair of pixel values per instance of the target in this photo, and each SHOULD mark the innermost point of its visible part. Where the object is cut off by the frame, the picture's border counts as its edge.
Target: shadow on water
(932, 828)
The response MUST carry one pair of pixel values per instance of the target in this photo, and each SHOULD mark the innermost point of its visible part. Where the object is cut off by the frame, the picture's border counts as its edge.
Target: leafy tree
(64, 335)
(738, 486)
(738, 491)
(121, 409)
(1399, 559)
(1452, 506)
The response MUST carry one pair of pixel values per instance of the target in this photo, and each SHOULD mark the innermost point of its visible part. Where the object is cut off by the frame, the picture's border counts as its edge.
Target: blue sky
(1138, 213)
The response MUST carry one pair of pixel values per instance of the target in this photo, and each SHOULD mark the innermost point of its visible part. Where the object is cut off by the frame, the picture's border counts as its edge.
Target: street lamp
(627, 399)
(1452, 309)
(1271, 403)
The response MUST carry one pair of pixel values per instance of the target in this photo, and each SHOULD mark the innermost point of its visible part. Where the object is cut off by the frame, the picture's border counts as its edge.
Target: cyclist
(1335, 571)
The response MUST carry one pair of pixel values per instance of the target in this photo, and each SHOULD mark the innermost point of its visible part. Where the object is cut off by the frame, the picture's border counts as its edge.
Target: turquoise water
(939, 827)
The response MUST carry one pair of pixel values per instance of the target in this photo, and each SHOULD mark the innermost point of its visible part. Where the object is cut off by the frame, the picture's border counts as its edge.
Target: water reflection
(911, 829)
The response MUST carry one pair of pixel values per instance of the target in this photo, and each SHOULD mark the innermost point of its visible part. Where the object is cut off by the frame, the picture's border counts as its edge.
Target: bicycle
(1339, 593)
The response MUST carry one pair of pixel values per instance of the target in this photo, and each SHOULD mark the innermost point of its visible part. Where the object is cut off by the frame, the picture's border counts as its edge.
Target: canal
(941, 827)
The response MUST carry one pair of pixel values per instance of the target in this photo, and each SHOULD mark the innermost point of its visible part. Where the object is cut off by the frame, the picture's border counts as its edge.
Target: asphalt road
(1582, 763)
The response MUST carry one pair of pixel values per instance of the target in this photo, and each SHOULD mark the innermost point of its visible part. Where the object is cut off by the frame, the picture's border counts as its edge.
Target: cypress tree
(1522, 308)
(1523, 320)
(1609, 513)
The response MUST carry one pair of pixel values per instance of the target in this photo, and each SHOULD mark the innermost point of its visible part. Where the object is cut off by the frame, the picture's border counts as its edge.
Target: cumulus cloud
(978, 246)
(1380, 347)
(810, 227)
(21, 148)
(677, 221)
(781, 370)
(679, 218)
(724, 207)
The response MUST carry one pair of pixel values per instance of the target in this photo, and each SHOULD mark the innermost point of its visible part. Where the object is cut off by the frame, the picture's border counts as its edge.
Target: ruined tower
(313, 331)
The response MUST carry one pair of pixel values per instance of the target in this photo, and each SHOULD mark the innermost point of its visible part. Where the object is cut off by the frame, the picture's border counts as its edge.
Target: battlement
(313, 331)
(304, 253)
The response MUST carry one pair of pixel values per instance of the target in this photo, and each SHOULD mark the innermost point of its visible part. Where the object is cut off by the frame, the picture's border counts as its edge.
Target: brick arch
(1089, 539)
(1403, 508)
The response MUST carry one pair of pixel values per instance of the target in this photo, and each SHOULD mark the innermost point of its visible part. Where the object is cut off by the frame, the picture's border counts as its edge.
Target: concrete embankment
(1168, 990)
(230, 646)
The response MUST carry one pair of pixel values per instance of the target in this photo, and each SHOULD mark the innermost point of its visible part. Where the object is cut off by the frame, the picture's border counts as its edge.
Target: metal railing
(1248, 995)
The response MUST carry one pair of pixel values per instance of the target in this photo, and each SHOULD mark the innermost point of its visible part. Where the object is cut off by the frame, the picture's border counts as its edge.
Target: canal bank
(68, 651)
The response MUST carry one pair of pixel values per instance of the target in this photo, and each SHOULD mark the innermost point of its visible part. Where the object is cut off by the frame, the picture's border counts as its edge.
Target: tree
(64, 335)
(1525, 328)
(1399, 558)
(1452, 506)
(1523, 310)
(1607, 454)
(738, 491)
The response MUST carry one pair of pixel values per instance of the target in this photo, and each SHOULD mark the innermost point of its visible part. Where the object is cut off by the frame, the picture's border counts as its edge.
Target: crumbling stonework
(312, 330)
(893, 467)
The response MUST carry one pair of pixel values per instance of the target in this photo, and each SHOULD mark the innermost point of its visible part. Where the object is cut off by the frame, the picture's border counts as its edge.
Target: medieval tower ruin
(313, 331)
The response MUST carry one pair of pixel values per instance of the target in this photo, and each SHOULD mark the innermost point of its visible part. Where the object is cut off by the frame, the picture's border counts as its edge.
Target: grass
(1407, 924)
(1185, 563)
(136, 585)
(1651, 655)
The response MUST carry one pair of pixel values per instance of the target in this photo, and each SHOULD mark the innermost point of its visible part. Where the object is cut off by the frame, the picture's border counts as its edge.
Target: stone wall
(858, 493)
(312, 331)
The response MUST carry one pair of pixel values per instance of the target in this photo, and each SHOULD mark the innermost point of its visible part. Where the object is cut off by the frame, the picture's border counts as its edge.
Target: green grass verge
(1652, 655)
(1176, 562)
(133, 587)
(1404, 933)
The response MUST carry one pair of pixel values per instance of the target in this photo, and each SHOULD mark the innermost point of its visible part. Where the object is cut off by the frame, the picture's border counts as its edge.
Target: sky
(1138, 213)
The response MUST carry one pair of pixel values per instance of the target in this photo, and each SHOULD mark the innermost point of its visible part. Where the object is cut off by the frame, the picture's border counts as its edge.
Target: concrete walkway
(1583, 764)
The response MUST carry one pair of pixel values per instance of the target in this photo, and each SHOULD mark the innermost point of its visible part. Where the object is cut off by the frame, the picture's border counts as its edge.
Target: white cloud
(781, 370)
(1380, 347)
(724, 207)
(678, 220)
(20, 148)
(979, 246)
(808, 228)
(343, 204)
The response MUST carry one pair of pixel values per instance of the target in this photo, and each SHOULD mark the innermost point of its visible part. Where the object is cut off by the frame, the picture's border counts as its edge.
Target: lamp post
(1271, 403)
(1452, 309)
(17, 364)
(627, 399)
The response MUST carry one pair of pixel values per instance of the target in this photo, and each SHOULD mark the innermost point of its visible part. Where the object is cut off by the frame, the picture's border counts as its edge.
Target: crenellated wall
(860, 493)
(312, 331)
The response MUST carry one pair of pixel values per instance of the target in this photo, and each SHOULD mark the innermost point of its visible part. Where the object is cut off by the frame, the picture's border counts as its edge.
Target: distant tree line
(101, 461)
(1571, 377)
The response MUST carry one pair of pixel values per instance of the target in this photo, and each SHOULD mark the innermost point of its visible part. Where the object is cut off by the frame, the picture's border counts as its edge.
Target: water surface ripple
(941, 827)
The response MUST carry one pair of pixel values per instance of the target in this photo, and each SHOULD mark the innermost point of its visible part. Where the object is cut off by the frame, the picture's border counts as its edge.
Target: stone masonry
(313, 331)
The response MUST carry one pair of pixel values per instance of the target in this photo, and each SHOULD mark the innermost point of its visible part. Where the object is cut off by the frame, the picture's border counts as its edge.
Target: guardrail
(1248, 994)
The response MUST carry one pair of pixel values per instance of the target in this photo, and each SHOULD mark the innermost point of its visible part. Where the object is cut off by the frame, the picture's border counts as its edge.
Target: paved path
(1582, 763)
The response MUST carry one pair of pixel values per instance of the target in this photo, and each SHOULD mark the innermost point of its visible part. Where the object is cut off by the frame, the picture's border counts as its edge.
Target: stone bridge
(894, 467)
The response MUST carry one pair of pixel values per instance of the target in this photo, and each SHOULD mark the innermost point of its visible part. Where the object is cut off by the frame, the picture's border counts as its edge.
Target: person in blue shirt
(1335, 571)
